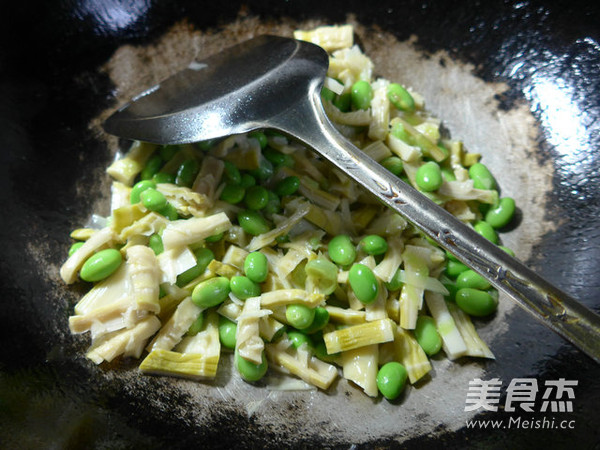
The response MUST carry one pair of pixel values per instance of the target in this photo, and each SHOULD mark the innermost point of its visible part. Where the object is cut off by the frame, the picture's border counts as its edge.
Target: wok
(517, 81)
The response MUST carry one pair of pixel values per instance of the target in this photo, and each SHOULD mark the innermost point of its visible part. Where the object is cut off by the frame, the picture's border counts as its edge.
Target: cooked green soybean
(429, 177)
(153, 200)
(391, 379)
(260, 137)
(507, 250)
(298, 338)
(373, 244)
(393, 164)
(247, 181)
(341, 250)
(455, 268)
(277, 158)
(170, 212)
(471, 279)
(186, 173)
(256, 267)
(363, 283)
(227, 332)
(233, 193)
(287, 186)
(273, 204)
(343, 101)
(231, 173)
(501, 214)
(256, 197)
(156, 244)
(482, 177)
(361, 94)
(400, 97)
(162, 177)
(427, 335)
(74, 247)
(152, 167)
(101, 265)
(167, 152)
(320, 320)
(486, 230)
(395, 283)
(197, 325)
(252, 222)
(243, 287)
(138, 188)
(264, 170)
(211, 292)
(250, 371)
(299, 316)
(476, 302)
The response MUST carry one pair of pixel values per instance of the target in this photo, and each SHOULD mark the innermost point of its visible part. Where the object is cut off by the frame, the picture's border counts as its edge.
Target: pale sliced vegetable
(68, 271)
(356, 336)
(360, 366)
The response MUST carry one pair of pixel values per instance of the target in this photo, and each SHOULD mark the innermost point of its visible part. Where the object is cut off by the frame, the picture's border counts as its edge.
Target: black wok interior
(50, 89)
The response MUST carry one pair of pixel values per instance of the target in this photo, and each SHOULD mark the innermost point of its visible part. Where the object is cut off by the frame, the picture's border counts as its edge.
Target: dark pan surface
(51, 88)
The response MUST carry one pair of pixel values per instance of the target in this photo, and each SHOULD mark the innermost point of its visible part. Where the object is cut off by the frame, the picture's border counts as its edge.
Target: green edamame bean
(327, 95)
(450, 256)
(256, 267)
(101, 265)
(343, 101)
(152, 167)
(341, 250)
(197, 325)
(256, 198)
(273, 205)
(187, 173)
(393, 164)
(252, 222)
(153, 200)
(247, 181)
(452, 289)
(320, 320)
(211, 292)
(74, 247)
(455, 268)
(299, 316)
(243, 287)
(361, 94)
(486, 230)
(471, 279)
(507, 250)
(429, 177)
(298, 338)
(156, 244)
(320, 350)
(427, 335)
(391, 379)
(260, 137)
(475, 302)
(287, 186)
(400, 97)
(395, 283)
(167, 152)
(250, 371)
(373, 245)
(277, 158)
(233, 193)
(482, 177)
(363, 283)
(169, 211)
(203, 258)
(227, 332)
(323, 274)
(138, 188)
(162, 177)
(215, 237)
(207, 144)
(500, 215)
(448, 174)
(231, 173)
(264, 171)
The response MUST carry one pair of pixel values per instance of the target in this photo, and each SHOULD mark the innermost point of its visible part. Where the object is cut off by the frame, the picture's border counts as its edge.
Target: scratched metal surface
(517, 81)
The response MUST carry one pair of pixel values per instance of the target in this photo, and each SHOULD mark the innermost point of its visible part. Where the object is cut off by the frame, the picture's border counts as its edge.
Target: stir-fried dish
(254, 245)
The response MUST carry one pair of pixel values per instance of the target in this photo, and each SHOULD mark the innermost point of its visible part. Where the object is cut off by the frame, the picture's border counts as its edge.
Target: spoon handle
(553, 307)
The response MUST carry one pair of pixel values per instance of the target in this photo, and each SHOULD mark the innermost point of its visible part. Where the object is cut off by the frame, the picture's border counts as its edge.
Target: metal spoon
(275, 82)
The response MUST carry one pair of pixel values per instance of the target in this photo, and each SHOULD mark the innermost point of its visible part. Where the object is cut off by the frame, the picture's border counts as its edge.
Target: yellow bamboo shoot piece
(356, 336)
